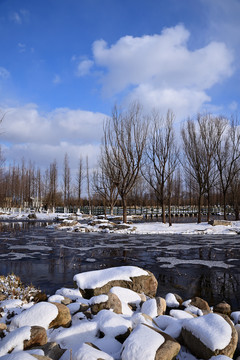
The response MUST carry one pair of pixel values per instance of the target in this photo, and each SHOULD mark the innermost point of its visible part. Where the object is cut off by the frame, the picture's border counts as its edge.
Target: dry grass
(12, 287)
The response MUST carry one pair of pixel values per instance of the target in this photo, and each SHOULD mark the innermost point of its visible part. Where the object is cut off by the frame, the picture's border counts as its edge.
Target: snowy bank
(120, 324)
(107, 226)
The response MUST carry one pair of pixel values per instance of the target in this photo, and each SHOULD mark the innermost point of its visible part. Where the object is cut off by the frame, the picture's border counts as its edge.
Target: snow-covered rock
(99, 282)
(146, 342)
(210, 335)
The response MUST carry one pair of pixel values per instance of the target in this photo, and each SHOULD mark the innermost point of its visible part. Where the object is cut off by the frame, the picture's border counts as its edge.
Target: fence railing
(136, 210)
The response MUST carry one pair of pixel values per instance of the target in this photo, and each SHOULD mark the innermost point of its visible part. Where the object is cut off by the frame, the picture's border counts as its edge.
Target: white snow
(98, 299)
(169, 325)
(77, 334)
(72, 294)
(14, 340)
(235, 315)
(149, 307)
(142, 344)
(20, 355)
(126, 295)
(112, 324)
(41, 314)
(211, 329)
(171, 300)
(87, 352)
(97, 278)
(180, 314)
(56, 298)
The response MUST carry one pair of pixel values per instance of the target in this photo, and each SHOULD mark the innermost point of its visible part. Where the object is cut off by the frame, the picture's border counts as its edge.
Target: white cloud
(16, 18)
(161, 70)
(4, 73)
(21, 47)
(57, 79)
(42, 137)
(182, 101)
(84, 67)
(19, 16)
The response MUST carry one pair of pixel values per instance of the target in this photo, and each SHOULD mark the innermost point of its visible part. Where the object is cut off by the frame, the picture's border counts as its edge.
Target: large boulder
(93, 283)
(110, 301)
(146, 342)
(23, 338)
(210, 335)
(41, 314)
(223, 308)
(63, 318)
(200, 304)
(38, 337)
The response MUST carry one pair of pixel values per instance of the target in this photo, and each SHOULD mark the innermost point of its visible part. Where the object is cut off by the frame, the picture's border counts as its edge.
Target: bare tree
(192, 163)
(200, 143)
(124, 140)
(79, 180)
(103, 184)
(161, 159)
(88, 185)
(210, 134)
(66, 181)
(53, 183)
(228, 155)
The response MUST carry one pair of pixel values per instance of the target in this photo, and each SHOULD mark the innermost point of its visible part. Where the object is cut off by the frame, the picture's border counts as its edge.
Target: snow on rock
(70, 338)
(171, 301)
(87, 352)
(98, 299)
(14, 340)
(112, 324)
(235, 315)
(98, 282)
(149, 307)
(72, 294)
(194, 310)
(169, 325)
(211, 329)
(142, 344)
(220, 357)
(20, 355)
(56, 298)
(180, 314)
(41, 314)
(98, 278)
(210, 335)
(126, 295)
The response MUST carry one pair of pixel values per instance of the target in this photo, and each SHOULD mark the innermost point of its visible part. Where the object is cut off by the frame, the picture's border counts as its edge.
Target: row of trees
(208, 154)
(144, 160)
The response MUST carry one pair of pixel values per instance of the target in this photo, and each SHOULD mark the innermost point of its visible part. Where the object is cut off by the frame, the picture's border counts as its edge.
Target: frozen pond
(189, 265)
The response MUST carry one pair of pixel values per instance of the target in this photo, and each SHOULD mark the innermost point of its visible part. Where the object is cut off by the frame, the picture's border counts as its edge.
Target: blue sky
(65, 63)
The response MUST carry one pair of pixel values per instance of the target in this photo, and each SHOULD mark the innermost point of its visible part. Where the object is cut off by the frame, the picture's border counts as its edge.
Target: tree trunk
(169, 211)
(163, 213)
(111, 209)
(199, 208)
(236, 210)
(208, 205)
(124, 205)
(224, 205)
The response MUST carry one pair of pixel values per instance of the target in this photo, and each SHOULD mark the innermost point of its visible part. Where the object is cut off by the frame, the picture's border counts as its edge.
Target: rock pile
(115, 314)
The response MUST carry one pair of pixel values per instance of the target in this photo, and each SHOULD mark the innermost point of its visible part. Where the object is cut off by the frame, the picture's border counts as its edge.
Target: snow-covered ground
(84, 223)
(108, 226)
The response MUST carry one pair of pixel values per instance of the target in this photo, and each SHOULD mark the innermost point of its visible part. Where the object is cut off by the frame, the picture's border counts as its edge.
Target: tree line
(144, 160)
